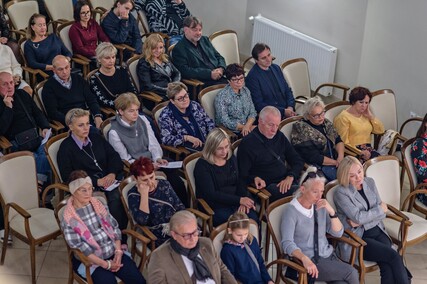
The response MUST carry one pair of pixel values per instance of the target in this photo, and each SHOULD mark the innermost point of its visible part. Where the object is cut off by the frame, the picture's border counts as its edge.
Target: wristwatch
(334, 216)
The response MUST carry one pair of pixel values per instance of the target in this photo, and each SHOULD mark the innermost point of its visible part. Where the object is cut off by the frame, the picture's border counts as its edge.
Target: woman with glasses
(234, 108)
(305, 222)
(356, 124)
(88, 226)
(152, 201)
(361, 210)
(187, 258)
(85, 33)
(316, 139)
(183, 122)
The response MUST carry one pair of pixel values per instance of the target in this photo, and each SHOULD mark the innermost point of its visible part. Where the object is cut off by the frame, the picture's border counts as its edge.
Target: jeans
(276, 194)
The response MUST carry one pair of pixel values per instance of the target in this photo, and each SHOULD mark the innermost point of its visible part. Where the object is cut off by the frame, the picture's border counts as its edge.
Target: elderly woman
(155, 71)
(306, 215)
(419, 157)
(316, 139)
(356, 123)
(110, 80)
(89, 151)
(184, 122)
(361, 210)
(85, 33)
(122, 27)
(234, 108)
(187, 258)
(132, 137)
(40, 48)
(217, 179)
(152, 202)
(89, 227)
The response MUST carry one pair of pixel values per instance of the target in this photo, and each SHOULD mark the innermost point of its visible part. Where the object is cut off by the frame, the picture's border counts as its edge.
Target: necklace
(36, 45)
(93, 158)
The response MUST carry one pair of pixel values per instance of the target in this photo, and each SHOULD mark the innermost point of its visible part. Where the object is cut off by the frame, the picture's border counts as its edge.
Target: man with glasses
(267, 84)
(187, 258)
(266, 159)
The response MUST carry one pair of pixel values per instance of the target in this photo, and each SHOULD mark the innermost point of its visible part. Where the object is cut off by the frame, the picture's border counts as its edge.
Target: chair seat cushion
(42, 223)
(418, 228)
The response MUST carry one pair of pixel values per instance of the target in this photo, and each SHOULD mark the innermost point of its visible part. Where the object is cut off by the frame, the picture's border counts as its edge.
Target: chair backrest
(409, 163)
(330, 189)
(18, 181)
(410, 127)
(385, 171)
(285, 125)
(20, 12)
(143, 26)
(60, 10)
(218, 234)
(235, 146)
(157, 110)
(297, 76)
(105, 127)
(132, 63)
(62, 32)
(106, 4)
(383, 105)
(207, 98)
(188, 165)
(126, 185)
(38, 96)
(51, 148)
(227, 44)
(335, 108)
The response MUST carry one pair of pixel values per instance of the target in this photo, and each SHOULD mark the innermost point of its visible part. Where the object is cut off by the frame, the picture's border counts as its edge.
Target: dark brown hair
(358, 94)
(78, 7)
(234, 70)
(76, 175)
(258, 48)
(422, 128)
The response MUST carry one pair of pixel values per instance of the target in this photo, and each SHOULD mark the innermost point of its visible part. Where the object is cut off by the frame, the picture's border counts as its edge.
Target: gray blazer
(351, 205)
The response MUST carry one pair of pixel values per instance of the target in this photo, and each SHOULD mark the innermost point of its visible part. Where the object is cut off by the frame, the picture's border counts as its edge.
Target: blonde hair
(104, 49)
(310, 104)
(215, 137)
(125, 100)
(75, 113)
(343, 172)
(238, 220)
(149, 44)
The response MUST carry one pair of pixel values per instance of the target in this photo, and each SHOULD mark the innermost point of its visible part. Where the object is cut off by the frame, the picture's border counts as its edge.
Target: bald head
(7, 85)
(61, 67)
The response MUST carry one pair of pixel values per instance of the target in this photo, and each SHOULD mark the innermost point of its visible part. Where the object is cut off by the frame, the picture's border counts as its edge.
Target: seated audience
(316, 140)
(121, 26)
(361, 210)
(85, 33)
(183, 122)
(89, 227)
(8, 63)
(110, 80)
(262, 155)
(217, 179)
(132, 137)
(167, 16)
(267, 84)
(196, 58)
(155, 71)
(419, 157)
(6, 36)
(356, 123)
(65, 91)
(40, 48)
(152, 202)
(234, 108)
(186, 257)
(241, 252)
(89, 151)
(20, 122)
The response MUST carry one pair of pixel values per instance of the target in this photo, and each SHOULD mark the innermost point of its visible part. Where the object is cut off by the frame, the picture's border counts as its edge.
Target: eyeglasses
(188, 236)
(85, 13)
(311, 175)
(183, 98)
(319, 115)
(237, 79)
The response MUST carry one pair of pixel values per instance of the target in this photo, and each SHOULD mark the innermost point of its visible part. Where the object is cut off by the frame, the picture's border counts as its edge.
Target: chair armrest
(412, 195)
(178, 151)
(108, 111)
(344, 88)
(18, 209)
(352, 151)
(5, 145)
(56, 126)
(205, 206)
(231, 134)
(300, 100)
(54, 186)
(397, 212)
(302, 272)
(83, 258)
(193, 82)
(355, 237)
(207, 222)
(199, 214)
(136, 235)
(262, 193)
(146, 232)
(18, 33)
(80, 59)
(151, 96)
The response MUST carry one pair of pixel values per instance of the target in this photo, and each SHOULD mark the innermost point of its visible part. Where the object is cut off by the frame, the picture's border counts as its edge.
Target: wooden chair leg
(33, 262)
(5, 239)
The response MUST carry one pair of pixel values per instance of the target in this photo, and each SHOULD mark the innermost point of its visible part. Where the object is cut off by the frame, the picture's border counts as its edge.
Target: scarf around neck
(188, 113)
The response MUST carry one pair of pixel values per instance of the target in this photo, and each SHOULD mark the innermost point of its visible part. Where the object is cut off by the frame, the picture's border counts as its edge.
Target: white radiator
(286, 44)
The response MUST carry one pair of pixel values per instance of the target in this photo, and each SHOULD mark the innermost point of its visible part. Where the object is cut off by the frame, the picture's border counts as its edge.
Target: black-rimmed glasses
(188, 236)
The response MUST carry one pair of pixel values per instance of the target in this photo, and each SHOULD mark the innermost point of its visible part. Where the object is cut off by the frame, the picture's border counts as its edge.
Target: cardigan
(58, 100)
(8, 62)
(190, 63)
(356, 130)
(85, 40)
(160, 21)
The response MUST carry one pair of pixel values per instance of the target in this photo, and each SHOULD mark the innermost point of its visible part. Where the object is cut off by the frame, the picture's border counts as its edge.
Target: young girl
(241, 253)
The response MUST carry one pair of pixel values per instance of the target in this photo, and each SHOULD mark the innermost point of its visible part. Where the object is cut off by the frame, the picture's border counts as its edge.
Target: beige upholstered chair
(286, 125)
(227, 44)
(20, 11)
(51, 148)
(385, 171)
(105, 4)
(28, 71)
(23, 217)
(59, 12)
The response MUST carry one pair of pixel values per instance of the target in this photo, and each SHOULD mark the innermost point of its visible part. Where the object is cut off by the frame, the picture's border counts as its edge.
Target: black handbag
(28, 140)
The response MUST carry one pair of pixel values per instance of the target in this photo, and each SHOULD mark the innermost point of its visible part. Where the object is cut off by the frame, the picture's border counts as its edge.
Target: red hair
(142, 166)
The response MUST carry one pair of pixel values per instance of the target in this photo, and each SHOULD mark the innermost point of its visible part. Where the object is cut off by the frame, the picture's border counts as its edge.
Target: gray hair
(308, 182)
(310, 104)
(105, 49)
(75, 113)
(215, 137)
(269, 110)
(180, 218)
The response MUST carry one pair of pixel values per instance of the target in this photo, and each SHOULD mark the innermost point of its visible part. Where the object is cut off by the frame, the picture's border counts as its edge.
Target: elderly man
(20, 120)
(262, 155)
(195, 56)
(267, 84)
(187, 258)
(8, 63)
(65, 91)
